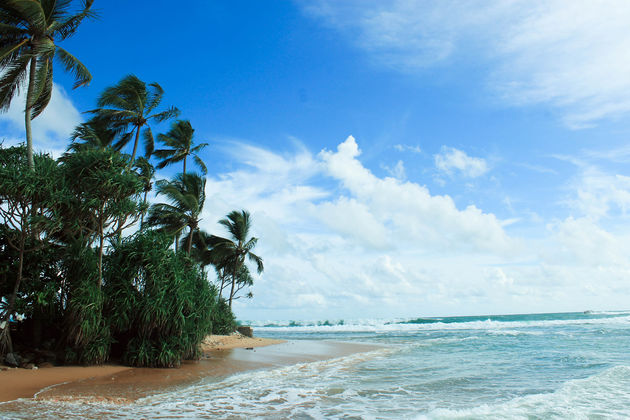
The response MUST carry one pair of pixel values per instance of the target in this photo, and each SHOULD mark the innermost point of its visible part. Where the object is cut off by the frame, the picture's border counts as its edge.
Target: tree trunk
(185, 164)
(233, 282)
(222, 283)
(28, 113)
(142, 214)
(135, 146)
(189, 245)
(100, 254)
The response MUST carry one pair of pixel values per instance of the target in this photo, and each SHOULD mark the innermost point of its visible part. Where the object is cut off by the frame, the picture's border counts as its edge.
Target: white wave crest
(604, 395)
(493, 326)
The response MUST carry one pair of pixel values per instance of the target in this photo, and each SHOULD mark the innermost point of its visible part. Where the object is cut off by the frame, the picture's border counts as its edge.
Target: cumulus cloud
(572, 56)
(51, 129)
(339, 241)
(451, 160)
(336, 237)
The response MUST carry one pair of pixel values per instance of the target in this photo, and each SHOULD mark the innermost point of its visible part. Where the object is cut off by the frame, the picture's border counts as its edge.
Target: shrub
(158, 302)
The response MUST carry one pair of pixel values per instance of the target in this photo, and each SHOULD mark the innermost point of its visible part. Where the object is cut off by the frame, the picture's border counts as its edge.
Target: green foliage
(223, 320)
(179, 143)
(30, 31)
(158, 300)
(88, 335)
(128, 107)
(186, 195)
(229, 254)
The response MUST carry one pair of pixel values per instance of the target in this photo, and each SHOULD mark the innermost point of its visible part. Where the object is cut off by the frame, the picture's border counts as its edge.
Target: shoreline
(36, 383)
(223, 357)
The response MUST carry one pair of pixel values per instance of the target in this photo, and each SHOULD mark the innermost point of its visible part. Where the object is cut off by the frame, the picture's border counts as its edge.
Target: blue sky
(400, 158)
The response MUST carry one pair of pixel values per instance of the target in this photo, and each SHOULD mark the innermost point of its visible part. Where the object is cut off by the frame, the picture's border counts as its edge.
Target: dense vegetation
(97, 272)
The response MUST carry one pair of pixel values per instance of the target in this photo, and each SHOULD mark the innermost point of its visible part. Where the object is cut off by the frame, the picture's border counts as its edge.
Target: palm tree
(180, 140)
(146, 171)
(93, 134)
(128, 106)
(29, 33)
(232, 252)
(186, 194)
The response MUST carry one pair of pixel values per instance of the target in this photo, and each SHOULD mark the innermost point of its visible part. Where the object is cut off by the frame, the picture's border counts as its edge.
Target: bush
(158, 302)
(88, 334)
(223, 320)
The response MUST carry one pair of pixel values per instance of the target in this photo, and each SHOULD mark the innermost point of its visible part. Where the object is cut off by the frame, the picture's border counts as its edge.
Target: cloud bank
(340, 241)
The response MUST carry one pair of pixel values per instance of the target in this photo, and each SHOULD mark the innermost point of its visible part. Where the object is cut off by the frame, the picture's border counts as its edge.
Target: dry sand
(25, 383)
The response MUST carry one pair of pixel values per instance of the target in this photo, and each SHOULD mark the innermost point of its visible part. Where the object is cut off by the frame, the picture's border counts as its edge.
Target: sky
(399, 158)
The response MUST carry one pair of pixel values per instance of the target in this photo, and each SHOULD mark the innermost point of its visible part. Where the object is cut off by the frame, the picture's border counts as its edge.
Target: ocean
(537, 366)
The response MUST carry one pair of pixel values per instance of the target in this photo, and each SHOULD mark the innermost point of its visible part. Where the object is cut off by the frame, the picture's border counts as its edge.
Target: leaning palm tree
(129, 107)
(93, 134)
(232, 252)
(29, 33)
(186, 196)
(179, 139)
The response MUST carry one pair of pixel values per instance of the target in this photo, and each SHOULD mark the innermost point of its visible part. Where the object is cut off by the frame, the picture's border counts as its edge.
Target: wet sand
(25, 383)
(222, 358)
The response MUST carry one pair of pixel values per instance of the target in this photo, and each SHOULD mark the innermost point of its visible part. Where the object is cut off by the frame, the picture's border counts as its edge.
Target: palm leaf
(80, 73)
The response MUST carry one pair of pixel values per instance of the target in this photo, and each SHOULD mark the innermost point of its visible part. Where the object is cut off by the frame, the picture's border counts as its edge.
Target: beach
(562, 365)
(116, 384)
(25, 383)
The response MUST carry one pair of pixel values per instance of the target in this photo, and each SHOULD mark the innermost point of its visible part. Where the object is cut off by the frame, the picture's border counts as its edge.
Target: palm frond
(45, 92)
(149, 145)
(11, 81)
(202, 166)
(80, 73)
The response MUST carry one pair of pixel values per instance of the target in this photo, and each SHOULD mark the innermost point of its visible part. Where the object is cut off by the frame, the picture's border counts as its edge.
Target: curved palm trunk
(185, 164)
(233, 283)
(189, 244)
(237, 265)
(28, 112)
(135, 146)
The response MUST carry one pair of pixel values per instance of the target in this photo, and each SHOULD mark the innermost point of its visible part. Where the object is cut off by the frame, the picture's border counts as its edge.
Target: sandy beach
(223, 356)
(25, 383)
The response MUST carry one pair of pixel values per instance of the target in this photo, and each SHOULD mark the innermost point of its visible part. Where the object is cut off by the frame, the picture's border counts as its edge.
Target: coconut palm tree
(179, 139)
(29, 33)
(129, 106)
(186, 196)
(93, 134)
(232, 252)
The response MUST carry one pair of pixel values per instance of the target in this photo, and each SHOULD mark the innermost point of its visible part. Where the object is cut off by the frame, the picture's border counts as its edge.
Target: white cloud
(571, 55)
(336, 237)
(51, 129)
(397, 171)
(407, 148)
(450, 160)
(341, 242)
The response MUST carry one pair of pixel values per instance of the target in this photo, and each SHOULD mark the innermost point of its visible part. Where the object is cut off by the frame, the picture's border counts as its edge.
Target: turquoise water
(570, 365)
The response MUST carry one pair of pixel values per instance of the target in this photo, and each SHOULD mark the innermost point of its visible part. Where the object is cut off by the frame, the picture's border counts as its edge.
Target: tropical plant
(146, 172)
(186, 196)
(106, 196)
(159, 303)
(129, 106)
(232, 252)
(26, 212)
(179, 139)
(93, 134)
(29, 33)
